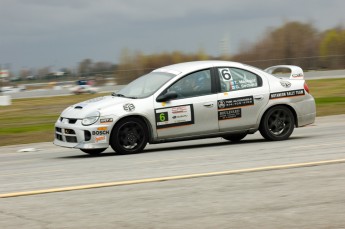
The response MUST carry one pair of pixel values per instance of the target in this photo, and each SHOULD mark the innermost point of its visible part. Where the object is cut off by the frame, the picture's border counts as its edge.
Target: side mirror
(166, 97)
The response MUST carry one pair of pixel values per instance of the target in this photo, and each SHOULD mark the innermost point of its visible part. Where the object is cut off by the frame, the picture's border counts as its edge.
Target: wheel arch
(140, 117)
(284, 105)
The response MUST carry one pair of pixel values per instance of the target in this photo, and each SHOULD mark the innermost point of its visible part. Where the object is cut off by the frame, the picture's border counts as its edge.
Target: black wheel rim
(131, 135)
(279, 122)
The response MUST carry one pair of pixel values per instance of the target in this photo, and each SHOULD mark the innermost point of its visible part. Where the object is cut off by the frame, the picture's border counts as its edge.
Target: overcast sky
(61, 33)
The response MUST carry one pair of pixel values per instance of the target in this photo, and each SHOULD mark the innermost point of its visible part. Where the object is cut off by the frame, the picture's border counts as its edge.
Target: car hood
(83, 109)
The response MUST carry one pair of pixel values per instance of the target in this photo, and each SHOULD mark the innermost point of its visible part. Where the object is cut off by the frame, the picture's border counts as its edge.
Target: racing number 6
(226, 74)
(162, 117)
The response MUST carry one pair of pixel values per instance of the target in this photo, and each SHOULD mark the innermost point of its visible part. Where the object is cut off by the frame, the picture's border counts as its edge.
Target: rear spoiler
(296, 72)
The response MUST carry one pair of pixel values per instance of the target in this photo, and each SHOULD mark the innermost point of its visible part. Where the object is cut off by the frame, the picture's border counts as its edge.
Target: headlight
(91, 118)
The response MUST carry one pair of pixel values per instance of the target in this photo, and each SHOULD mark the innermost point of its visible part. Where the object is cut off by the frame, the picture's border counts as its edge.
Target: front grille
(59, 137)
(65, 135)
(71, 139)
(69, 131)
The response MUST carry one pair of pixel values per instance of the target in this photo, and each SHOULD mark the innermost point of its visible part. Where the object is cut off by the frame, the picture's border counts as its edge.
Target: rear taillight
(306, 88)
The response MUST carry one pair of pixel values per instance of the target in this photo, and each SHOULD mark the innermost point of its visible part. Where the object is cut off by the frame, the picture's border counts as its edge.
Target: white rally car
(190, 101)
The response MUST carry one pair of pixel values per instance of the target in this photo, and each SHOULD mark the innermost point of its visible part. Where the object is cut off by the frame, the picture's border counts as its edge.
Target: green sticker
(162, 117)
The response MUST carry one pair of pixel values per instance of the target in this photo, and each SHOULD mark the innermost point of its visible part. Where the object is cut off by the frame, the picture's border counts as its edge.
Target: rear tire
(277, 124)
(129, 136)
(93, 152)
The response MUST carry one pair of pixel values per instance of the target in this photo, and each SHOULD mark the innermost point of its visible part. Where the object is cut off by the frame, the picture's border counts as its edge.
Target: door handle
(259, 97)
(209, 105)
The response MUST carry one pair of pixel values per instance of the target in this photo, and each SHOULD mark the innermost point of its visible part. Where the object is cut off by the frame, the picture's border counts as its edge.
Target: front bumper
(71, 133)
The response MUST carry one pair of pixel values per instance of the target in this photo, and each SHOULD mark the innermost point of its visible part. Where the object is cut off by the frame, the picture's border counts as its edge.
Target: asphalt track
(298, 183)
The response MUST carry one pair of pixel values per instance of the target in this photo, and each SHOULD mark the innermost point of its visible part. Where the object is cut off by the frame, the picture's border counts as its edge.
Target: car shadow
(174, 148)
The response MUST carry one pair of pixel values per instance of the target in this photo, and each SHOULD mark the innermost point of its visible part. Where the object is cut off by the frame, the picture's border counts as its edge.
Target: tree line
(293, 43)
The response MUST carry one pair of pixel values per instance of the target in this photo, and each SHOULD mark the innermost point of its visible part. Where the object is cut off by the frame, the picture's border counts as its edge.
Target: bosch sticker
(100, 132)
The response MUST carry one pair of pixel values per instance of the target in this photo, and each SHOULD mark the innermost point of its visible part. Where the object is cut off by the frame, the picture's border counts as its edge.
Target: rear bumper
(306, 112)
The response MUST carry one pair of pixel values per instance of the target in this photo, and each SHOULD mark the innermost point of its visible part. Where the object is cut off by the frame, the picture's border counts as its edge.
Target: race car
(84, 86)
(191, 100)
(81, 89)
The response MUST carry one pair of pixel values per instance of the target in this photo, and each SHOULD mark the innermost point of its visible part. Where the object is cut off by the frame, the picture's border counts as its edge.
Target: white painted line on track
(170, 178)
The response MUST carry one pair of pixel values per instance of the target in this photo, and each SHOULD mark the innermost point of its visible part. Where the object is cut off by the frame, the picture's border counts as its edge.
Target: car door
(243, 95)
(194, 110)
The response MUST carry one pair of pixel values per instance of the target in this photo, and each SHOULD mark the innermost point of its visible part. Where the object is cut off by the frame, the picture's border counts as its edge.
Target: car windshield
(145, 85)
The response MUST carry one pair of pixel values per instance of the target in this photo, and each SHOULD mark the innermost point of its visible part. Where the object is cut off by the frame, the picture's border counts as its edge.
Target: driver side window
(195, 84)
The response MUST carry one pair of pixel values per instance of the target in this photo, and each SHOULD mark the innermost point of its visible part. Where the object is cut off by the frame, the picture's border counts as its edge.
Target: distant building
(4, 73)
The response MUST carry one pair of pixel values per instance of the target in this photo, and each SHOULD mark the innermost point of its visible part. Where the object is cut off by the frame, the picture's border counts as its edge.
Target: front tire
(93, 152)
(277, 124)
(129, 136)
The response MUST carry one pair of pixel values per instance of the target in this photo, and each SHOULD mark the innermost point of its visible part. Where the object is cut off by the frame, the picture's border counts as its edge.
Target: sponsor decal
(285, 84)
(102, 128)
(284, 94)
(100, 132)
(129, 107)
(297, 75)
(235, 102)
(234, 85)
(181, 109)
(174, 116)
(229, 114)
(179, 116)
(100, 139)
(105, 120)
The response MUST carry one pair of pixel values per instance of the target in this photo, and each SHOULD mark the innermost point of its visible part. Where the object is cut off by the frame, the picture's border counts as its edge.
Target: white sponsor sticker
(174, 116)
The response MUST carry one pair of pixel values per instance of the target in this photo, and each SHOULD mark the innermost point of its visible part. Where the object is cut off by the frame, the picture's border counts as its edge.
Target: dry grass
(32, 120)
(329, 95)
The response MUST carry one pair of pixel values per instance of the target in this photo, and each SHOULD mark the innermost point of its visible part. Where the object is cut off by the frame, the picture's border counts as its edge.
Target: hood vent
(78, 107)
